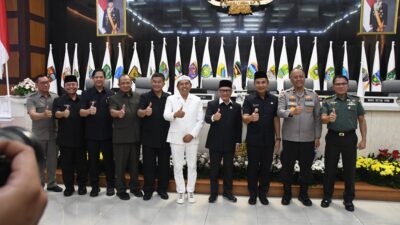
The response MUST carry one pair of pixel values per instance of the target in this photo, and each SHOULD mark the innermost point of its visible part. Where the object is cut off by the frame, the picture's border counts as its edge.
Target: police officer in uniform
(70, 137)
(224, 136)
(341, 112)
(263, 136)
(301, 132)
(111, 18)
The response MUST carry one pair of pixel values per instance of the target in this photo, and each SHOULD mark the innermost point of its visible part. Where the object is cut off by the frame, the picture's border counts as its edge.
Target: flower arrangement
(24, 87)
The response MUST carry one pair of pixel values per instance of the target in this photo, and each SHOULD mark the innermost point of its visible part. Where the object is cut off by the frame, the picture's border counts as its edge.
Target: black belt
(341, 133)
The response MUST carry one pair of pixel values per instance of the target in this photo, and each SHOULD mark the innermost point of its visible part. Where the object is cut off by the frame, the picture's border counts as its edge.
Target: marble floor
(104, 210)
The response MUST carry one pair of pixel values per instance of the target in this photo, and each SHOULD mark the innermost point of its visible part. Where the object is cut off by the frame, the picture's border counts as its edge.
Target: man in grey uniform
(39, 106)
(301, 132)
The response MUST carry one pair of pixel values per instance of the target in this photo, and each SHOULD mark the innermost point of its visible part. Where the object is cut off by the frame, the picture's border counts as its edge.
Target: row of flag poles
(279, 73)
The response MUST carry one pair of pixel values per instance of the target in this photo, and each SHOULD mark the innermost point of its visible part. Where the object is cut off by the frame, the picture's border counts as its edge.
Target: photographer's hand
(22, 198)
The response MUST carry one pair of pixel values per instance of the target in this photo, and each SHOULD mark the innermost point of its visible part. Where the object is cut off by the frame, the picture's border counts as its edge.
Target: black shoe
(163, 195)
(348, 206)
(230, 197)
(305, 200)
(212, 198)
(94, 192)
(325, 203)
(285, 200)
(110, 191)
(82, 190)
(263, 200)
(253, 200)
(68, 192)
(123, 196)
(147, 196)
(137, 193)
(55, 188)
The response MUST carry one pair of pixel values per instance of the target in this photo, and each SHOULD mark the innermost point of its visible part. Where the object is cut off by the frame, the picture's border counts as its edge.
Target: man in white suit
(185, 113)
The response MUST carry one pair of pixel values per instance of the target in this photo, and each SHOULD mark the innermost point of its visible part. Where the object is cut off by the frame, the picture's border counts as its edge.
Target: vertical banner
(135, 70)
(163, 68)
(66, 70)
(221, 68)
(313, 68)
(75, 65)
(237, 68)
(271, 67)
(391, 68)
(107, 64)
(283, 71)
(252, 65)
(51, 71)
(178, 62)
(90, 66)
(329, 68)
(376, 84)
(193, 66)
(119, 68)
(345, 69)
(206, 68)
(363, 80)
(297, 63)
(151, 68)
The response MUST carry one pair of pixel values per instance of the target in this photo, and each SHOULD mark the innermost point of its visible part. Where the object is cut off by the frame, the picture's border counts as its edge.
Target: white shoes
(181, 198)
(191, 198)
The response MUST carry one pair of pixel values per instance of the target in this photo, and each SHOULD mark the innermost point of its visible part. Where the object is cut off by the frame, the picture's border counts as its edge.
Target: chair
(392, 87)
(308, 83)
(272, 87)
(143, 84)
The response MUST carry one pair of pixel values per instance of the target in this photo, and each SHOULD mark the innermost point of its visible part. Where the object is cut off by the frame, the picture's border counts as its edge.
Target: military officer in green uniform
(341, 112)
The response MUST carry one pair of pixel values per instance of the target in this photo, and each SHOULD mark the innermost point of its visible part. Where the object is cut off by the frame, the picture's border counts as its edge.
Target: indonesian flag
(101, 6)
(4, 47)
(366, 14)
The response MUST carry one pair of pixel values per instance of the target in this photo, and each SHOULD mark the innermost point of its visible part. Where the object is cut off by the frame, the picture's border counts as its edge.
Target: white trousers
(179, 151)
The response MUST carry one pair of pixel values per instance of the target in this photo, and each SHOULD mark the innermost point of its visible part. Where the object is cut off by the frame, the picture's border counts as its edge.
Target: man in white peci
(185, 113)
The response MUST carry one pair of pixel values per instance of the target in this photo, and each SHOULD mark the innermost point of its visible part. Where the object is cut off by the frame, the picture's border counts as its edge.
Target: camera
(24, 136)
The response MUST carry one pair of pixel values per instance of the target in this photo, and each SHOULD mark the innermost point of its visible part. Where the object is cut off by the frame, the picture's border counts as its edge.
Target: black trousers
(73, 160)
(156, 165)
(304, 153)
(258, 169)
(94, 148)
(126, 156)
(215, 165)
(346, 146)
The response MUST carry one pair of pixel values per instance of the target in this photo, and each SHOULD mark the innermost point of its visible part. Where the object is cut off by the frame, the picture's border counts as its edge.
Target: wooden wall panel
(11, 5)
(13, 31)
(13, 64)
(37, 7)
(38, 64)
(37, 34)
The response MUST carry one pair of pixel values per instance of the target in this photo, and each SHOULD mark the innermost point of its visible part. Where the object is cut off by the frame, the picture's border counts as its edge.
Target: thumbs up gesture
(332, 116)
(255, 116)
(47, 112)
(180, 113)
(122, 111)
(92, 108)
(149, 110)
(66, 112)
(217, 115)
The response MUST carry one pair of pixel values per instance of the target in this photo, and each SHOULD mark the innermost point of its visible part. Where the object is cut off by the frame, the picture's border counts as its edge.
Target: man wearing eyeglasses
(224, 136)
(300, 109)
(341, 112)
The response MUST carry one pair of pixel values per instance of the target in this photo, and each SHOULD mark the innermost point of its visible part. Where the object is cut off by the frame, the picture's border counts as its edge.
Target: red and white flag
(101, 6)
(4, 47)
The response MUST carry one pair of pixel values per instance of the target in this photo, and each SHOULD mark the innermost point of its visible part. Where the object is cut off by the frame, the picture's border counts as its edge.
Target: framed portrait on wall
(379, 16)
(111, 17)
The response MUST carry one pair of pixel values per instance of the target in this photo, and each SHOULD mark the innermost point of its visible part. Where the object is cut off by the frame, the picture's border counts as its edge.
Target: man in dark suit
(111, 18)
(224, 136)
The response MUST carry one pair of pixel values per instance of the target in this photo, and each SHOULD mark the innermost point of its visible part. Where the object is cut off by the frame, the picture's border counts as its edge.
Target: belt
(341, 133)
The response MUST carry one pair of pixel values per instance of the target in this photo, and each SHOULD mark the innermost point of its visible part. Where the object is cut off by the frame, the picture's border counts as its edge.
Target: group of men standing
(116, 125)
